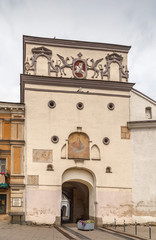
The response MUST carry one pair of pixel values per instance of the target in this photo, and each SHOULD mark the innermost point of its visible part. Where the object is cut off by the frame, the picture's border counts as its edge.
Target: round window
(111, 106)
(80, 105)
(52, 104)
(54, 139)
(106, 140)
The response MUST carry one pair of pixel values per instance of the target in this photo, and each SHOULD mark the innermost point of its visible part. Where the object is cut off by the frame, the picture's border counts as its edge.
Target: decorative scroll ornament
(94, 66)
(114, 58)
(78, 66)
(63, 64)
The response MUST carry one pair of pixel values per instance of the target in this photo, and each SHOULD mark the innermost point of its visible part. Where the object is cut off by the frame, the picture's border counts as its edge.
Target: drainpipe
(95, 203)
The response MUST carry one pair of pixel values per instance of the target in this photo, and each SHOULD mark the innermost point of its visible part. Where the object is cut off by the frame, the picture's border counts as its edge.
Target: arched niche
(78, 146)
(114, 72)
(108, 170)
(42, 66)
(63, 151)
(95, 152)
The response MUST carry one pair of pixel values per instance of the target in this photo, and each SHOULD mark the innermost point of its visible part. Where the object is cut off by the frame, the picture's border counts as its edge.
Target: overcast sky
(125, 22)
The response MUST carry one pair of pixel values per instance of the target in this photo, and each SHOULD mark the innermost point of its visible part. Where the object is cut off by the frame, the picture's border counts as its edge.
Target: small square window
(148, 112)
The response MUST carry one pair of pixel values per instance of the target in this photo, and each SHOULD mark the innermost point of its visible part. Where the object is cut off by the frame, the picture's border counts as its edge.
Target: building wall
(97, 121)
(143, 152)
(118, 163)
(110, 171)
(138, 105)
(143, 160)
(12, 150)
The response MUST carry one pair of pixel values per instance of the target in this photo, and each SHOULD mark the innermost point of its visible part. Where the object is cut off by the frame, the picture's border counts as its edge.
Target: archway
(78, 190)
(76, 206)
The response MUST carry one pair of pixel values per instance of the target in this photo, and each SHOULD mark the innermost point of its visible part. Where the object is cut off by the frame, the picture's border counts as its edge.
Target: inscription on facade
(41, 155)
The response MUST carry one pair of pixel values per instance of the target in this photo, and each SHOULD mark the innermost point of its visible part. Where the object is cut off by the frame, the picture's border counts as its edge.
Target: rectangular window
(148, 112)
(2, 164)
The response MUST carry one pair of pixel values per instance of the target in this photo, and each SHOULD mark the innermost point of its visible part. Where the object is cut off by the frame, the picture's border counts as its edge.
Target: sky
(125, 22)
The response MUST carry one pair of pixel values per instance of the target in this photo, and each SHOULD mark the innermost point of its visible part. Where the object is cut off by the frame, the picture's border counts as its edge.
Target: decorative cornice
(143, 96)
(70, 82)
(12, 142)
(5, 152)
(17, 176)
(13, 119)
(141, 124)
(12, 107)
(79, 91)
(78, 66)
(76, 44)
(17, 185)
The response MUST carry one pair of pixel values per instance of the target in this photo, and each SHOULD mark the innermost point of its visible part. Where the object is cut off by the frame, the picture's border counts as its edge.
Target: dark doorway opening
(75, 202)
(2, 203)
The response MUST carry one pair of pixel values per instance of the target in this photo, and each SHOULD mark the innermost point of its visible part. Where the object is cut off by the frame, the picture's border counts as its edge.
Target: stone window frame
(106, 140)
(150, 112)
(111, 106)
(80, 105)
(51, 104)
(55, 139)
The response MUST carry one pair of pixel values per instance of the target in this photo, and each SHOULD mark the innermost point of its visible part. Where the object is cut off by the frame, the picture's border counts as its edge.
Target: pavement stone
(10, 231)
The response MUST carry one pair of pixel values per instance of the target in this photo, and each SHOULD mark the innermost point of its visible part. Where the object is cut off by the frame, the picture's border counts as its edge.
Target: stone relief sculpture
(63, 64)
(78, 66)
(94, 67)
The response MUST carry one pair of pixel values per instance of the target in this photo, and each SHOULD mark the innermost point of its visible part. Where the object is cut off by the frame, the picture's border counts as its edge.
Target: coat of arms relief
(78, 66)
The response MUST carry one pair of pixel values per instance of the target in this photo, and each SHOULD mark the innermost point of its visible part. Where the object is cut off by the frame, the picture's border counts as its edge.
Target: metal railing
(135, 228)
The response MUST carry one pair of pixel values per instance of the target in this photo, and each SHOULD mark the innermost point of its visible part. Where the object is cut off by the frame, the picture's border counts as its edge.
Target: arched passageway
(78, 195)
(75, 202)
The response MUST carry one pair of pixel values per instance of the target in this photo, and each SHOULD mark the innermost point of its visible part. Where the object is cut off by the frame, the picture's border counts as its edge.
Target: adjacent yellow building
(11, 159)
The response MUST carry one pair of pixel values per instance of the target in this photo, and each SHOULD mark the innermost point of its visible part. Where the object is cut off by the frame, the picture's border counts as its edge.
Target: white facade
(81, 136)
(143, 150)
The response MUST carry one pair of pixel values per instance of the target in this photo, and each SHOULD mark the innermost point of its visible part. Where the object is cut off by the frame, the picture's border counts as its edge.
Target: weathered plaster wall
(97, 121)
(43, 204)
(114, 203)
(144, 177)
(143, 152)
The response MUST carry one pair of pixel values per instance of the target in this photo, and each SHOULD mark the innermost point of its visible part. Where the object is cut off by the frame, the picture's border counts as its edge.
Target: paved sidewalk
(142, 231)
(23, 232)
